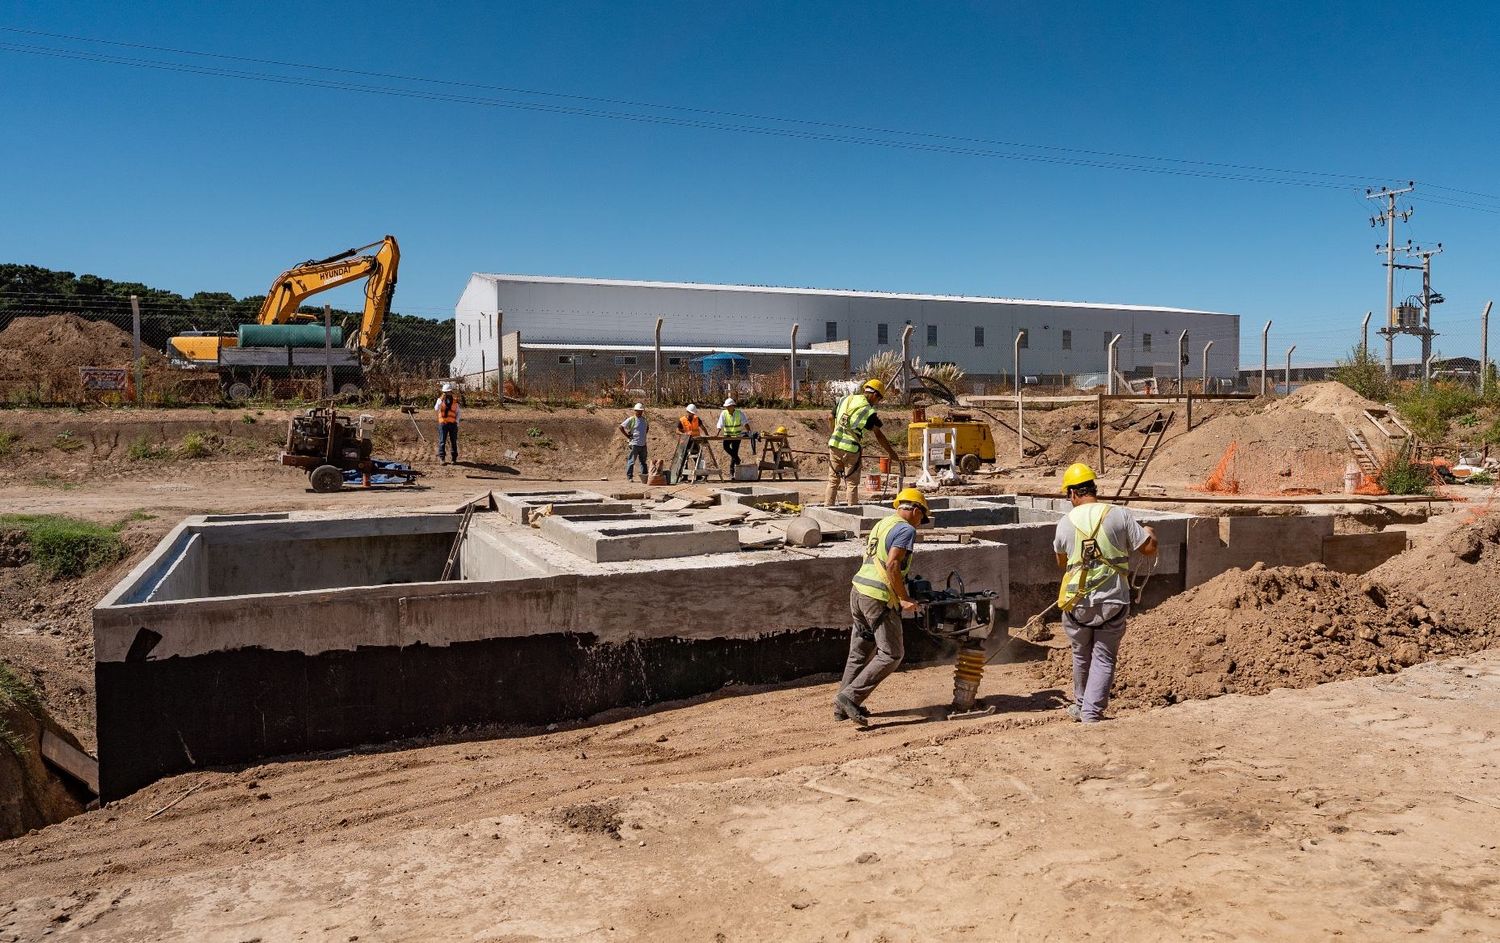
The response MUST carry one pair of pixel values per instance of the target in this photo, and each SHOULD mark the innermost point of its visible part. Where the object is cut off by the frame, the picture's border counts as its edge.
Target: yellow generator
(973, 443)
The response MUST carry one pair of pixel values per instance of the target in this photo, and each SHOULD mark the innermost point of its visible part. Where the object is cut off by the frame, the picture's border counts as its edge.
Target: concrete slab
(603, 540)
(757, 494)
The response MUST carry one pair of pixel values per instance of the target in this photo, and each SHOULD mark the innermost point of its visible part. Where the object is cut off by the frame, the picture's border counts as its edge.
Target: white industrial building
(1062, 339)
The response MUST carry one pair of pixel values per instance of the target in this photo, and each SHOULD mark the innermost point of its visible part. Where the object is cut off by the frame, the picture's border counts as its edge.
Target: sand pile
(38, 346)
(1296, 443)
(1248, 631)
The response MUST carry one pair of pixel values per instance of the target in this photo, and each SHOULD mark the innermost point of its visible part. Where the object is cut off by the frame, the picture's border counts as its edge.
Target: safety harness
(1092, 561)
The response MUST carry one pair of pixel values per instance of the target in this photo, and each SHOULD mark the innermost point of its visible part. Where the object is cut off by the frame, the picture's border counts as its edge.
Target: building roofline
(841, 292)
(675, 349)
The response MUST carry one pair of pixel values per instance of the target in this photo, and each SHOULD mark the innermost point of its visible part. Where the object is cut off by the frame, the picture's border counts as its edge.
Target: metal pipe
(1020, 435)
(1181, 360)
(1484, 347)
(1109, 383)
(792, 365)
(1289, 368)
(657, 365)
(1206, 348)
(1265, 342)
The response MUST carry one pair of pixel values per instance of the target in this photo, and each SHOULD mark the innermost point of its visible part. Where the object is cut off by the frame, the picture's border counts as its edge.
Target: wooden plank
(71, 760)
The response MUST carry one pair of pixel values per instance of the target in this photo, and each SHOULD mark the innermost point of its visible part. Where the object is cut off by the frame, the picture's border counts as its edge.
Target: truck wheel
(351, 390)
(326, 478)
(238, 391)
(968, 464)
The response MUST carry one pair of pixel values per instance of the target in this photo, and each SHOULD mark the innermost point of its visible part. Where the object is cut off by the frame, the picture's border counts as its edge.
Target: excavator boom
(293, 287)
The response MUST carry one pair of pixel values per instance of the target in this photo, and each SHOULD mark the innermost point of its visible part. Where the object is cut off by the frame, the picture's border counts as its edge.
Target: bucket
(885, 465)
(872, 485)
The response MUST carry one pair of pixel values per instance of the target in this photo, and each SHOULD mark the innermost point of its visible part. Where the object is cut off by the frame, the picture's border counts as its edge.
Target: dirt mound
(31, 795)
(1248, 631)
(1279, 448)
(1331, 398)
(61, 342)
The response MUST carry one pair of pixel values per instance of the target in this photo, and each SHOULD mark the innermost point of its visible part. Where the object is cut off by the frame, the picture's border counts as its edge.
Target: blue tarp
(354, 477)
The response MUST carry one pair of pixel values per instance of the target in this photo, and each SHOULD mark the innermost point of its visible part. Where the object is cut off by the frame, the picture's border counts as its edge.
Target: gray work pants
(876, 646)
(1095, 650)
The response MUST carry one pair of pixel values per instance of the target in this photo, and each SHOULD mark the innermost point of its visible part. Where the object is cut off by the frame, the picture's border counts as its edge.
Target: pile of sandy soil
(39, 346)
(1296, 443)
(1248, 631)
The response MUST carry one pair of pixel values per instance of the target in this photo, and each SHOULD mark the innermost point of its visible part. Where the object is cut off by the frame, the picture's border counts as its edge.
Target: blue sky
(194, 181)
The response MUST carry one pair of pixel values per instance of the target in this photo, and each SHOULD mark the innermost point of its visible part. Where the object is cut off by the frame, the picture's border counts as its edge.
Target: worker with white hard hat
(1093, 544)
(634, 430)
(446, 408)
(733, 425)
(877, 601)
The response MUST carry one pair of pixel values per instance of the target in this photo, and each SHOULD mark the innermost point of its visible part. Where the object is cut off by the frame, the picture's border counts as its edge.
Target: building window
(624, 361)
(1067, 340)
(1025, 338)
(882, 334)
(674, 361)
(831, 330)
(932, 335)
(978, 336)
(564, 358)
(1146, 342)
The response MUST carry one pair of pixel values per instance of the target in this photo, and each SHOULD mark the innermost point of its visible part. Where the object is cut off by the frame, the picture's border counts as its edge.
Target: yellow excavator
(284, 341)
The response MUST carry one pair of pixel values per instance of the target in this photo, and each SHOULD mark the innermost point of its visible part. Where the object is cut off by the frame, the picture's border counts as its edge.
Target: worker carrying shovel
(852, 418)
(877, 601)
(1093, 546)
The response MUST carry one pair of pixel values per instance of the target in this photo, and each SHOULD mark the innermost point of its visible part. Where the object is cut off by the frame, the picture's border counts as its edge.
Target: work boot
(851, 710)
(838, 712)
(1075, 711)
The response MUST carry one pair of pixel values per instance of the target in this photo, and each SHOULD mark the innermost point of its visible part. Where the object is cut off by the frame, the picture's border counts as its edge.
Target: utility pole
(1388, 215)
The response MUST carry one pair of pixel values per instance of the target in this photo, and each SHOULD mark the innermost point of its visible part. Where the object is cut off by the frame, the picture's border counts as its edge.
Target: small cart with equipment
(326, 445)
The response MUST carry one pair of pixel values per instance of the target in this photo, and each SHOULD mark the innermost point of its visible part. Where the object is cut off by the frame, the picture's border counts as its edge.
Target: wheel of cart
(326, 478)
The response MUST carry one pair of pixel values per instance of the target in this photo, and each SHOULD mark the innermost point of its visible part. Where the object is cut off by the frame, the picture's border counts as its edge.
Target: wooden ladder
(458, 542)
(1363, 454)
(1155, 431)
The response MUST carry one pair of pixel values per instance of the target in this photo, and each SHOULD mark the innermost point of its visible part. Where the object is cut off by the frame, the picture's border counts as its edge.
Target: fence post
(1265, 340)
(1100, 428)
(1020, 433)
(1181, 361)
(1109, 380)
(657, 366)
(499, 357)
(1289, 368)
(1364, 337)
(1205, 365)
(328, 349)
(1484, 347)
(135, 344)
(792, 366)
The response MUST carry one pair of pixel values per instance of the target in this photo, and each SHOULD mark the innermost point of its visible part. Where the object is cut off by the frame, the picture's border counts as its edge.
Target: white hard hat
(692, 410)
(728, 403)
(638, 407)
(447, 387)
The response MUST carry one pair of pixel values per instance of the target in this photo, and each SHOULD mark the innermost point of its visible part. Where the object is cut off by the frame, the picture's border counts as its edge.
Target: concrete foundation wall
(1360, 553)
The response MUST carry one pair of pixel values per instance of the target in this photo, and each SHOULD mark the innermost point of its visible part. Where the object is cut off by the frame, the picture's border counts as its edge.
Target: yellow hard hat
(912, 496)
(875, 386)
(1077, 474)
(780, 430)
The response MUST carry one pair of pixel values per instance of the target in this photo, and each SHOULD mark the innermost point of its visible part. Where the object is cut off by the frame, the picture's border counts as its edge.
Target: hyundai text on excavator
(285, 342)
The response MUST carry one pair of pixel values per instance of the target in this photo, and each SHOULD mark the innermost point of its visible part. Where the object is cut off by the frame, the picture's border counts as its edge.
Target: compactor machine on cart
(326, 444)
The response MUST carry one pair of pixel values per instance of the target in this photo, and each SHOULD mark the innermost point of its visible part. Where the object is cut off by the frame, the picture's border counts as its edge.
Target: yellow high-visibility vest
(870, 580)
(732, 422)
(1084, 576)
(849, 420)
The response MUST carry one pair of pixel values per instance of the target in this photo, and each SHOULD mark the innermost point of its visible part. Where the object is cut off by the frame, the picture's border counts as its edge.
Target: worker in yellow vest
(1093, 544)
(733, 425)
(852, 418)
(877, 601)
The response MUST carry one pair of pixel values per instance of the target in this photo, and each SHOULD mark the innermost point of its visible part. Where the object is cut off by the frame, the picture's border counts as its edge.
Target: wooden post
(1100, 469)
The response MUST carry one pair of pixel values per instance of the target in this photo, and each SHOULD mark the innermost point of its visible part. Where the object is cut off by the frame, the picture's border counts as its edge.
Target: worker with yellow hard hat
(877, 600)
(852, 418)
(1093, 544)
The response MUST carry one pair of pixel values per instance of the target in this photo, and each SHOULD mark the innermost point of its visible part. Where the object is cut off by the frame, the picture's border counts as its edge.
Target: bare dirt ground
(1363, 810)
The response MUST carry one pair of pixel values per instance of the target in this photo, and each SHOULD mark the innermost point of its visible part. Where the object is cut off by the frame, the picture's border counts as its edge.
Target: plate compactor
(967, 618)
(325, 445)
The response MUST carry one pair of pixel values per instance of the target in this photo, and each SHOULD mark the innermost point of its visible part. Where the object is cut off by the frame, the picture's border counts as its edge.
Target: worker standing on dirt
(733, 425)
(634, 430)
(852, 418)
(447, 418)
(1093, 546)
(877, 601)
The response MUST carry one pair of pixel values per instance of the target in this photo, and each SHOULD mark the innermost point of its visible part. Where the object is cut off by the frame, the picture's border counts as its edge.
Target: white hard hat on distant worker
(638, 407)
(692, 410)
(728, 403)
(447, 387)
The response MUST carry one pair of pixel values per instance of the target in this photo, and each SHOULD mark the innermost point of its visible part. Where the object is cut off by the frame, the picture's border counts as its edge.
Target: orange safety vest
(690, 425)
(447, 412)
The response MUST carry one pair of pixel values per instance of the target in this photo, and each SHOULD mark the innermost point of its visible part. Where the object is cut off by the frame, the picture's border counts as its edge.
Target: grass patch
(49, 480)
(143, 450)
(1401, 475)
(248, 419)
(197, 445)
(67, 442)
(16, 691)
(8, 440)
(134, 516)
(66, 546)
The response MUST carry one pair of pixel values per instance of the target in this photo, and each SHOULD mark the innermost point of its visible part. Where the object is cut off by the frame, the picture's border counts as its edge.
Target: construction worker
(877, 601)
(852, 418)
(689, 424)
(634, 429)
(446, 408)
(690, 433)
(733, 425)
(1093, 546)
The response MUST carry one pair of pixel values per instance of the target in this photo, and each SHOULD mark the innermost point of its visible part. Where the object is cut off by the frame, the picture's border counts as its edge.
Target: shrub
(8, 440)
(15, 691)
(142, 450)
(1401, 475)
(1428, 410)
(65, 546)
(884, 366)
(67, 442)
(197, 445)
(1364, 375)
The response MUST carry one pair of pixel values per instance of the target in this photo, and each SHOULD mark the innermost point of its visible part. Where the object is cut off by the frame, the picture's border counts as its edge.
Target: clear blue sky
(192, 181)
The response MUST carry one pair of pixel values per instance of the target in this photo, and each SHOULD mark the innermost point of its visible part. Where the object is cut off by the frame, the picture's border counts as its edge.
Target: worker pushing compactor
(852, 418)
(1093, 546)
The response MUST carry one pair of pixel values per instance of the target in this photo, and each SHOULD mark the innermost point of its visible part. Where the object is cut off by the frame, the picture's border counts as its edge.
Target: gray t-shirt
(1122, 530)
(636, 427)
(902, 535)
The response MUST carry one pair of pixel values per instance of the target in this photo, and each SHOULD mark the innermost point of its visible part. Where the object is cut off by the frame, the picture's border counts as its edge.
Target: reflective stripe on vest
(849, 421)
(733, 423)
(1081, 578)
(448, 412)
(870, 580)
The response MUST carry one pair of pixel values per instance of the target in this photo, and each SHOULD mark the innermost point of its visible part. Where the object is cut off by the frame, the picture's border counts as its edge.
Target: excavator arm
(293, 287)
